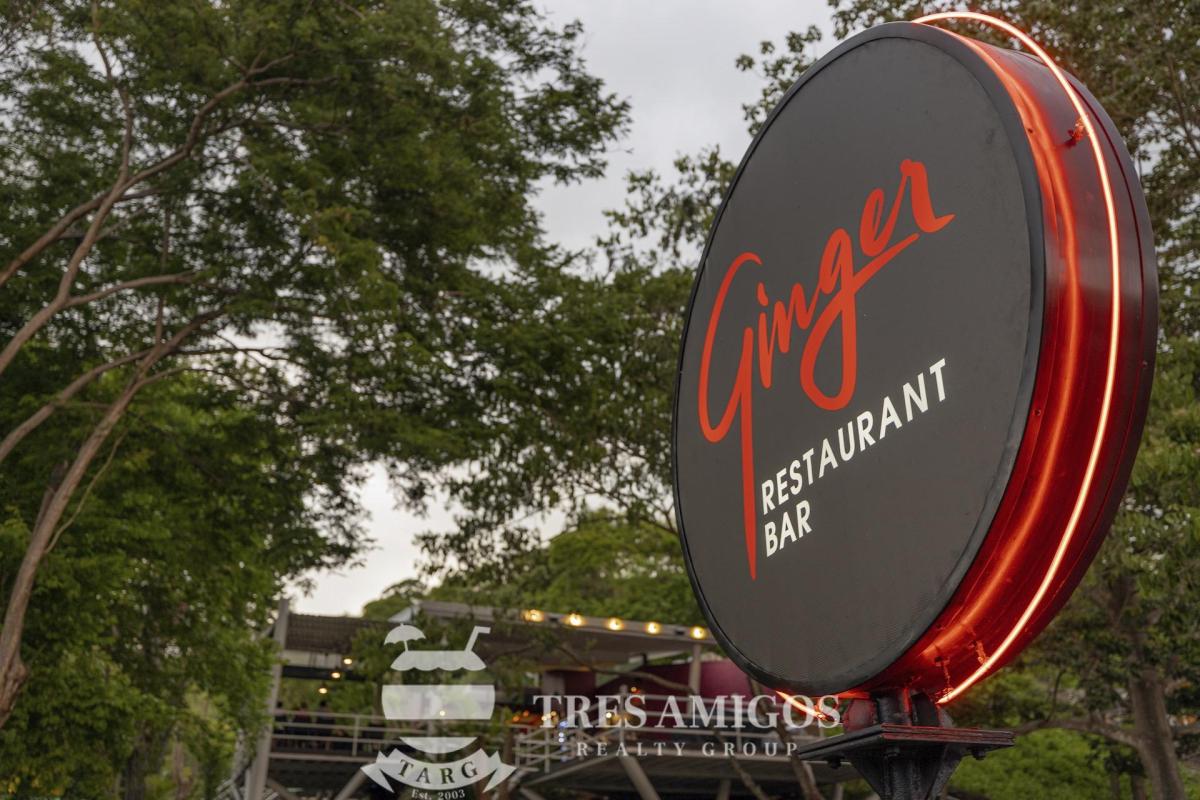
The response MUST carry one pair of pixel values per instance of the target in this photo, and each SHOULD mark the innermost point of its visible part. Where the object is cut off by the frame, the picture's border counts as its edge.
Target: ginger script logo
(437, 703)
(830, 304)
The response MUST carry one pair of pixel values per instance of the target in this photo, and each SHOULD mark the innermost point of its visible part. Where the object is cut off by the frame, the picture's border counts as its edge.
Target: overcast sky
(674, 61)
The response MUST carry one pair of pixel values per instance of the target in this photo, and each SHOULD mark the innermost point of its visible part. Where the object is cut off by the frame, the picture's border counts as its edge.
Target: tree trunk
(13, 671)
(1137, 787)
(1157, 746)
(180, 762)
(133, 777)
(147, 756)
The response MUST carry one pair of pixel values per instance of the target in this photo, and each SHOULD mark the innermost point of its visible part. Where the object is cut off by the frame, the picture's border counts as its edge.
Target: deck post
(257, 783)
(637, 776)
(694, 669)
(351, 785)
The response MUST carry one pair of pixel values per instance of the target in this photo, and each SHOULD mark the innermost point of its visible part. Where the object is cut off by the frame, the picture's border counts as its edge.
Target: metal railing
(322, 735)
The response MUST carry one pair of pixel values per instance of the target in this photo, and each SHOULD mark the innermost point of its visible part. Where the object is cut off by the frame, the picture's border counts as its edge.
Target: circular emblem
(914, 369)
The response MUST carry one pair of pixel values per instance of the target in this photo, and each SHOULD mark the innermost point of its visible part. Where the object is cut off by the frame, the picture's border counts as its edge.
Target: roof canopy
(585, 641)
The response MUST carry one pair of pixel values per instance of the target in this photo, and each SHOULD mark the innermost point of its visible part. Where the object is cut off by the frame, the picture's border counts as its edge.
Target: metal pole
(257, 784)
(352, 785)
(637, 776)
(903, 744)
(694, 669)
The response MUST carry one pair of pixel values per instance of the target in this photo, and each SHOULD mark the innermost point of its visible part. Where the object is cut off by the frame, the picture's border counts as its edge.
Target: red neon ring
(990, 662)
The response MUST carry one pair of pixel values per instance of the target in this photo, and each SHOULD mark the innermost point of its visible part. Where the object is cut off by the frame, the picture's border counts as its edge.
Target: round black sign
(860, 357)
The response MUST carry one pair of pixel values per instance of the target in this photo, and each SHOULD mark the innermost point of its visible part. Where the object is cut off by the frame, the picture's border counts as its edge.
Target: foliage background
(389, 296)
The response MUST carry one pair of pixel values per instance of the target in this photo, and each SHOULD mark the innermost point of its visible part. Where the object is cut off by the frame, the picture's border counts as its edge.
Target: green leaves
(171, 565)
(348, 185)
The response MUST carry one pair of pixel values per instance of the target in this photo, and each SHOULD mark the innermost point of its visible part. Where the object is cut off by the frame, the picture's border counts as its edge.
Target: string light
(614, 624)
(653, 628)
(574, 619)
(698, 633)
(533, 615)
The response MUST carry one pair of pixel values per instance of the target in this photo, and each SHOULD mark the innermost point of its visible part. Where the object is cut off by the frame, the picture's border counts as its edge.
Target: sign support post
(904, 745)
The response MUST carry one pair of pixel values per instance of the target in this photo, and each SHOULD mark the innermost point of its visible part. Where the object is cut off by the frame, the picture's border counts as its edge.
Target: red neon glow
(807, 709)
(1054, 427)
(840, 282)
(1093, 459)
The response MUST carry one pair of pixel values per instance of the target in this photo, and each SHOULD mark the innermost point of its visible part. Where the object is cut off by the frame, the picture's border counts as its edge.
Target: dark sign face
(861, 364)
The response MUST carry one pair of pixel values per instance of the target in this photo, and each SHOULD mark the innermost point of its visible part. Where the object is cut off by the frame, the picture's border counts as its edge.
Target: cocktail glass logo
(446, 702)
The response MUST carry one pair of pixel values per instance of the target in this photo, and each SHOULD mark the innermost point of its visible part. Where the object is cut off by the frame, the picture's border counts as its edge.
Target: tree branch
(123, 183)
(136, 283)
(17, 434)
(51, 235)
(13, 671)
(122, 93)
(1092, 726)
(87, 492)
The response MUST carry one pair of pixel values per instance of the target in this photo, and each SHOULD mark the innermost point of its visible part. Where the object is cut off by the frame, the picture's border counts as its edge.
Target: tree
(568, 409)
(602, 566)
(1064, 760)
(141, 636)
(305, 202)
(579, 415)
(1126, 645)
(395, 599)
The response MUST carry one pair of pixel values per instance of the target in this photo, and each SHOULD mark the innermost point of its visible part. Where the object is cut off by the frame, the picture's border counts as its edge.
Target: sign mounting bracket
(904, 745)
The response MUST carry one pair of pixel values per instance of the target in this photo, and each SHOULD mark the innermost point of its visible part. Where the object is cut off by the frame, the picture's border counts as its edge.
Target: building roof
(583, 641)
(313, 633)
